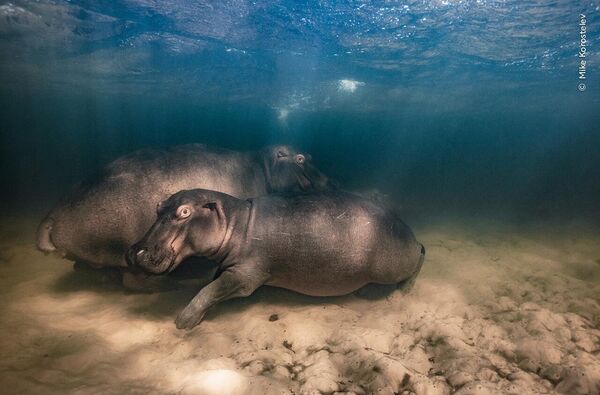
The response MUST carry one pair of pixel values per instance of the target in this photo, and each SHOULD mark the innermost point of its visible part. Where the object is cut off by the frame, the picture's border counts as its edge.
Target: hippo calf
(321, 244)
(105, 215)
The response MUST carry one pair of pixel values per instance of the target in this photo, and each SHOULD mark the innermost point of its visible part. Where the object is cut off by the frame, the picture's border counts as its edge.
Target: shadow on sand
(169, 294)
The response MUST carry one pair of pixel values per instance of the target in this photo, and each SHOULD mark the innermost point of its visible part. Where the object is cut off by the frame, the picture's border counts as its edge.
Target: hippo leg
(232, 283)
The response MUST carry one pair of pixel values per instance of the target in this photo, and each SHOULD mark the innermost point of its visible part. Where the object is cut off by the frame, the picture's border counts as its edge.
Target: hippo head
(190, 222)
(289, 170)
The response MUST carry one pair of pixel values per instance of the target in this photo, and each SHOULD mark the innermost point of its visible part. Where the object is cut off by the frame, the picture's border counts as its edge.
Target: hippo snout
(150, 259)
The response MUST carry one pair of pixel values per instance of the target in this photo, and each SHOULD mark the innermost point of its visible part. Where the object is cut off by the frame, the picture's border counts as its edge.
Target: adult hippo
(105, 215)
(321, 244)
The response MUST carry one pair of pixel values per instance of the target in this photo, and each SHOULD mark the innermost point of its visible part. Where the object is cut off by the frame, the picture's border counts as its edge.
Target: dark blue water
(467, 108)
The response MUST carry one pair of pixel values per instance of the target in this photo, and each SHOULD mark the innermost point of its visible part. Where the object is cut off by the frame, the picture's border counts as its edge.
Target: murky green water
(467, 108)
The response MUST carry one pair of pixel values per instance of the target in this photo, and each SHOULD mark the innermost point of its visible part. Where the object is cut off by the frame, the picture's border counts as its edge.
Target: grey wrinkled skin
(320, 244)
(105, 215)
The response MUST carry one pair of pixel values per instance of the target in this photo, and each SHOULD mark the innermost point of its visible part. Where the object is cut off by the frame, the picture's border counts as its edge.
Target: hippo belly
(320, 277)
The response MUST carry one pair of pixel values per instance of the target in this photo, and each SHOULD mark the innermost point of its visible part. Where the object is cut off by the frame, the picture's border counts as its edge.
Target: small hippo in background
(105, 215)
(321, 244)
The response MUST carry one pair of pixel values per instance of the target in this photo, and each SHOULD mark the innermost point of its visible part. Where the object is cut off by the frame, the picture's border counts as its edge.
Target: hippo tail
(44, 239)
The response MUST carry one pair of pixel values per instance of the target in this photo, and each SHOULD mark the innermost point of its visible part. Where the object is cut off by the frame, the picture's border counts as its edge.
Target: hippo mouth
(165, 264)
(172, 260)
(165, 261)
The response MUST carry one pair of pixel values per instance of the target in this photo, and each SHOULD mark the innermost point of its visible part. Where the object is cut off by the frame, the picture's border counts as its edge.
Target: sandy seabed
(495, 311)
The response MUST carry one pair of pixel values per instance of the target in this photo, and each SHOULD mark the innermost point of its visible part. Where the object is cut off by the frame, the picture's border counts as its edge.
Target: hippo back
(108, 212)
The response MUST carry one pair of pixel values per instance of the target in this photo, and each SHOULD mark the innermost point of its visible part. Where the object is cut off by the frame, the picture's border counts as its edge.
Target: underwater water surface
(478, 120)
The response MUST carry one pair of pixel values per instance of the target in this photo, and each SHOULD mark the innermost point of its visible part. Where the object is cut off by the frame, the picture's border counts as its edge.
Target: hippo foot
(234, 283)
(188, 318)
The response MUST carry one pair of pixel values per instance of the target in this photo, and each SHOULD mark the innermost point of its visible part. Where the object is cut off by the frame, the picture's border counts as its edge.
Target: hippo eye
(281, 154)
(184, 212)
(300, 159)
